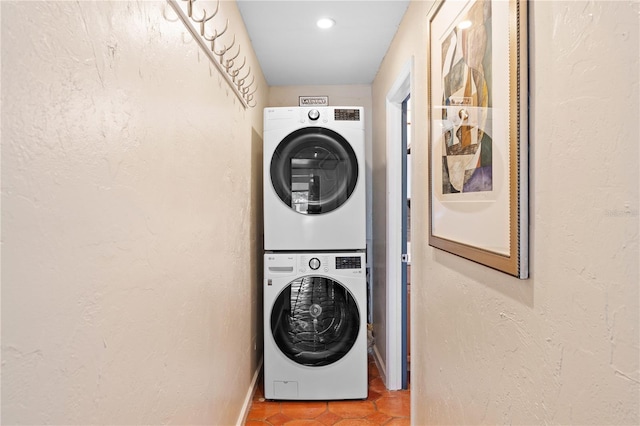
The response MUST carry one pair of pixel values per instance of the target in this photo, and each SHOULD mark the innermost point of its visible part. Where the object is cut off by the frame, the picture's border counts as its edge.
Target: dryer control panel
(346, 114)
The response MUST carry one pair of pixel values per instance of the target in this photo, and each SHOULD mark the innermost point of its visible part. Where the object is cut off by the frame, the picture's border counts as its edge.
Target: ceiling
(293, 51)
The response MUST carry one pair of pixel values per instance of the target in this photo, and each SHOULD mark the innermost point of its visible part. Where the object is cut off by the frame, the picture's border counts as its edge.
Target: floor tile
(399, 422)
(395, 404)
(373, 395)
(328, 418)
(263, 410)
(355, 422)
(279, 419)
(303, 422)
(352, 409)
(378, 418)
(377, 385)
(303, 410)
(382, 407)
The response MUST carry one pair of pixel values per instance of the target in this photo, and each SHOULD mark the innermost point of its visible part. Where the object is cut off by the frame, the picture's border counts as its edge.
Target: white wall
(563, 346)
(131, 192)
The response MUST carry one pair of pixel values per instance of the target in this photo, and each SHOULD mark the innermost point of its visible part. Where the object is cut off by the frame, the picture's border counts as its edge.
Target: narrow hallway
(382, 407)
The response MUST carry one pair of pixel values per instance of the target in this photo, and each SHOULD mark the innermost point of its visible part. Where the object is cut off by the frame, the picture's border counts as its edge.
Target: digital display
(349, 262)
(343, 114)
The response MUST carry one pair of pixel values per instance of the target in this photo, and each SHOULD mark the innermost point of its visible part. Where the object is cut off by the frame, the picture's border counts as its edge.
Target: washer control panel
(313, 263)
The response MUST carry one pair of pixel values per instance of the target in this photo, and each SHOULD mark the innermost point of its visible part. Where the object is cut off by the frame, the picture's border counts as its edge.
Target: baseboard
(248, 399)
(382, 368)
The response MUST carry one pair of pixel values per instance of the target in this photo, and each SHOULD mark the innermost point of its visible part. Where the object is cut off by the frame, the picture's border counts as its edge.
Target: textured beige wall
(131, 224)
(563, 346)
(351, 95)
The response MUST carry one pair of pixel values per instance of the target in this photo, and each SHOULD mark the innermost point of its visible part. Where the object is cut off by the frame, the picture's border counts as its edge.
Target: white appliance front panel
(346, 378)
(343, 228)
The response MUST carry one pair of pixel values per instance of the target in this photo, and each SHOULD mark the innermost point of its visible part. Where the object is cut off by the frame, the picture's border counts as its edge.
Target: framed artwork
(478, 144)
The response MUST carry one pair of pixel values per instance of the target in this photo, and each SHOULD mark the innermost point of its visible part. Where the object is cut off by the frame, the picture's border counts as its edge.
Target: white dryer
(315, 340)
(314, 179)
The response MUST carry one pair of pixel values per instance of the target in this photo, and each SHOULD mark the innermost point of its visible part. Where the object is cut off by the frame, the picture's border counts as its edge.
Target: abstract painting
(466, 68)
(477, 104)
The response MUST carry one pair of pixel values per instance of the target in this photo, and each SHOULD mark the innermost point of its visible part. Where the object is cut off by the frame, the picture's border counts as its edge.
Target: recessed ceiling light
(325, 23)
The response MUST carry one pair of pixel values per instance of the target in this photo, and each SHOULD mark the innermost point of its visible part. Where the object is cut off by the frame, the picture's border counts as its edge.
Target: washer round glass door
(315, 321)
(314, 170)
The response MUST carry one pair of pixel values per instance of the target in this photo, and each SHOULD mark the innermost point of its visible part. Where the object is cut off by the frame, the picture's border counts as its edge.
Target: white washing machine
(314, 179)
(315, 339)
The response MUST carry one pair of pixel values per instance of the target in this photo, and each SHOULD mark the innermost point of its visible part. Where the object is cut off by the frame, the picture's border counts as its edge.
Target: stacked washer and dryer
(315, 295)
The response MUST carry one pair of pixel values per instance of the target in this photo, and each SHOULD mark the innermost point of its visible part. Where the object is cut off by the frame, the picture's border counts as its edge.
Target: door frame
(395, 97)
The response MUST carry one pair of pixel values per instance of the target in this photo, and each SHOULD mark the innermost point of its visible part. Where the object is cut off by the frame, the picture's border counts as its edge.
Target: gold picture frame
(478, 131)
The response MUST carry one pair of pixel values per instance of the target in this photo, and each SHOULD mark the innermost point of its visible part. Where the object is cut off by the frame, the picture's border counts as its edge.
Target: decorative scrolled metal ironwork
(224, 56)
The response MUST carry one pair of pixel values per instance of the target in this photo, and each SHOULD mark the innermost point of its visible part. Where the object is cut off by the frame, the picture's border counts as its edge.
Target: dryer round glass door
(315, 321)
(314, 170)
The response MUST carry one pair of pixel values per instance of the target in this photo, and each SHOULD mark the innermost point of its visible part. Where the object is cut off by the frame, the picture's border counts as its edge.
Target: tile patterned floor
(382, 407)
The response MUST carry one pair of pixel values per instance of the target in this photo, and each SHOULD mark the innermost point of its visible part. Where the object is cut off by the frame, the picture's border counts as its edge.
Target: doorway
(405, 232)
(397, 257)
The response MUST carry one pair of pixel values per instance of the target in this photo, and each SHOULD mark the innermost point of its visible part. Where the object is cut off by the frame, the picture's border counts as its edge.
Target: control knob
(314, 263)
(314, 114)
